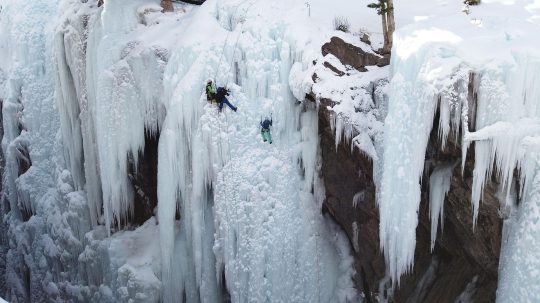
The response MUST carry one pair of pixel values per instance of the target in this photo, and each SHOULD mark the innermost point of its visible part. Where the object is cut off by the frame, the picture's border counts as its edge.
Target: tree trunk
(385, 33)
(391, 27)
(167, 5)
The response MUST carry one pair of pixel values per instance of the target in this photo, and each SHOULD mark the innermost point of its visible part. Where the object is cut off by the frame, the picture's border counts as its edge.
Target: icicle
(124, 101)
(358, 198)
(414, 93)
(444, 121)
(410, 108)
(439, 185)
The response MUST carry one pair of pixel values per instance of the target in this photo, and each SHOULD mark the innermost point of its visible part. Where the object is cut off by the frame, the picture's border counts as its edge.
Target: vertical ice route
(261, 218)
(271, 242)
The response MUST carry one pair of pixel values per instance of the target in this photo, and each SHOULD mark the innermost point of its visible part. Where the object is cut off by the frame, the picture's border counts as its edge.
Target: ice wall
(77, 123)
(49, 251)
(412, 104)
(44, 217)
(260, 219)
(123, 82)
(506, 145)
(107, 77)
(519, 265)
(431, 70)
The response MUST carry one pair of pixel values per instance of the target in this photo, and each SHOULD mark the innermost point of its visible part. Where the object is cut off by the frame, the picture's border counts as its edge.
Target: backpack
(210, 96)
(222, 92)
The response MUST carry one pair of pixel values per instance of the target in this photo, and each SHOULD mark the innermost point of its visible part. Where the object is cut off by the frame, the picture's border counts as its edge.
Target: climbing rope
(220, 144)
(318, 267)
(235, 194)
(229, 178)
(228, 172)
(232, 62)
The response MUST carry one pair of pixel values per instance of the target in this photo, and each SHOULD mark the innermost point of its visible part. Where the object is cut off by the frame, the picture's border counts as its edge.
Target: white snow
(358, 96)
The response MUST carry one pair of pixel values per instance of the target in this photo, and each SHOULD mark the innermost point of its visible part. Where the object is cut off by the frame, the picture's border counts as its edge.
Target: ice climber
(265, 130)
(210, 91)
(220, 97)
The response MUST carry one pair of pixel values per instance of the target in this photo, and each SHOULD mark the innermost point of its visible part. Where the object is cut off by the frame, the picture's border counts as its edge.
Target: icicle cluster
(493, 105)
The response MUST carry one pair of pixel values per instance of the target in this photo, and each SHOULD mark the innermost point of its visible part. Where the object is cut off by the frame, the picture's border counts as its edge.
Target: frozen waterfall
(437, 69)
(261, 219)
(90, 92)
(235, 217)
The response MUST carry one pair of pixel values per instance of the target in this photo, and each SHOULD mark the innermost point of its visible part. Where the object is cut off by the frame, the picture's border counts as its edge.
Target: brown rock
(345, 174)
(167, 5)
(333, 68)
(365, 38)
(349, 54)
(463, 258)
(144, 180)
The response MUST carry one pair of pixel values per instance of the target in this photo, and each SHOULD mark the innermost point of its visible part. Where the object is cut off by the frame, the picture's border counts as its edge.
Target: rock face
(347, 175)
(352, 55)
(464, 263)
(167, 5)
(144, 180)
(461, 255)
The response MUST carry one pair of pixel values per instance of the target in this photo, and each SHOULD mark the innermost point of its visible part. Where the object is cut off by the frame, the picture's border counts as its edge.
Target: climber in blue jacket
(221, 99)
(265, 129)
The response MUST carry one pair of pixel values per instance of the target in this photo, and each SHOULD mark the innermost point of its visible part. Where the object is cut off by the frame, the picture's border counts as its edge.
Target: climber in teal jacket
(265, 130)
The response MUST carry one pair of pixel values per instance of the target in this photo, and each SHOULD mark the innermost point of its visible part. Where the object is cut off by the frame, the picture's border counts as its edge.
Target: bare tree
(391, 25)
(385, 8)
(468, 3)
(167, 5)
